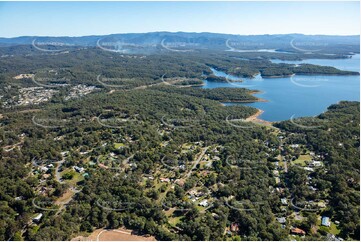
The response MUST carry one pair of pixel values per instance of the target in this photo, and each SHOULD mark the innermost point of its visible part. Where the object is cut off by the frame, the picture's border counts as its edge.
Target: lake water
(260, 50)
(299, 95)
(351, 64)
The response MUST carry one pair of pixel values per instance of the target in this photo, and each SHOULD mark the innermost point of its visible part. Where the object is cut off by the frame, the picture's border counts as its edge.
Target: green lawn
(301, 160)
(186, 146)
(118, 145)
(174, 220)
(332, 229)
(76, 177)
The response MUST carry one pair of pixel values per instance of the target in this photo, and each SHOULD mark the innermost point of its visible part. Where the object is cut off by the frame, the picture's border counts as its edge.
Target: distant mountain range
(183, 41)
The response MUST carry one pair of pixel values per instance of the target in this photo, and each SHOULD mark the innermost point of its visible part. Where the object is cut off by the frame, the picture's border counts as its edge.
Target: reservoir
(350, 64)
(298, 96)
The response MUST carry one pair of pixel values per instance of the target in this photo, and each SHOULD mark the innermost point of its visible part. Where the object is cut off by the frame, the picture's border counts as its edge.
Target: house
(193, 192)
(162, 179)
(204, 203)
(19, 198)
(280, 190)
(315, 163)
(46, 176)
(216, 158)
(281, 220)
(308, 169)
(78, 169)
(180, 182)
(276, 173)
(331, 237)
(234, 227)
(44, 169)
(284, 201)
(64, 153)
(326, 221)
(50, 166)
(298, 231)
(312, 188)
(85, 175)
(37, 218)
(214, 215)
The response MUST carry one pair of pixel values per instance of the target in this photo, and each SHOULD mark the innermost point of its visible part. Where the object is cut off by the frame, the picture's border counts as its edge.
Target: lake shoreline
(302, 93)
(255, 118)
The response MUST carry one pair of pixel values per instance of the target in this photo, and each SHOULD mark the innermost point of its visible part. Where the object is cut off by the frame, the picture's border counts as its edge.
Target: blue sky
(96, 18)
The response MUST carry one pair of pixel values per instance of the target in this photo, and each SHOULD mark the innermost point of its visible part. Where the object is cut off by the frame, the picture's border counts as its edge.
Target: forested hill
(284, 42)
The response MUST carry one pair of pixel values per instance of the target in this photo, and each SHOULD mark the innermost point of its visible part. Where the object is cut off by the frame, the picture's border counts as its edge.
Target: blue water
(298, 95)
(351, 64)
(260, 50)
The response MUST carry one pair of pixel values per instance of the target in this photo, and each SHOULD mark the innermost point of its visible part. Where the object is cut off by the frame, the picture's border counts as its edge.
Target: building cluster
(30, 96)
(79, 91)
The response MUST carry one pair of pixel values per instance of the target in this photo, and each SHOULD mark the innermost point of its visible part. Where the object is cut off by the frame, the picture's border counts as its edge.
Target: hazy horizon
(59, 36)
(76, 19)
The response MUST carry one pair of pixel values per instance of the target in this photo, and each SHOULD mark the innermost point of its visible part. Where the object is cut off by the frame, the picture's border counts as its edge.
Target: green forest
(149, 150)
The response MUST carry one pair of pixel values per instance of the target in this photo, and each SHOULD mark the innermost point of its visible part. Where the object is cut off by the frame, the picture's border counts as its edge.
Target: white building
(315, 163)
(204, 203)
(79, 169)
(37, 218)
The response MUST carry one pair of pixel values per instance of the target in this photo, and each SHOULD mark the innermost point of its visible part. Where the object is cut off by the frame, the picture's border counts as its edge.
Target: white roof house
(44, 169)
(281, 220)
(315, 163)
(308, 169)
(204, 203)
(37, 218)
(326, 221)
(79, 169)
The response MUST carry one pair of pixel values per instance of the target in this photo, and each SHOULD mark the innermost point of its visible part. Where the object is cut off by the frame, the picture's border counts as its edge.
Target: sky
(245, 18)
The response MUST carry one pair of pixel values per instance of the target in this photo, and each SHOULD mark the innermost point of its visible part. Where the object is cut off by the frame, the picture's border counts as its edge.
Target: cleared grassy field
(77, 177)
(301, 160)
(118, 145)
(174, 220)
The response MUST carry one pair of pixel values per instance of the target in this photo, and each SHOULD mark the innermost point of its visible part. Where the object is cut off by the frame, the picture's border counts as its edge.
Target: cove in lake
(298, 96)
